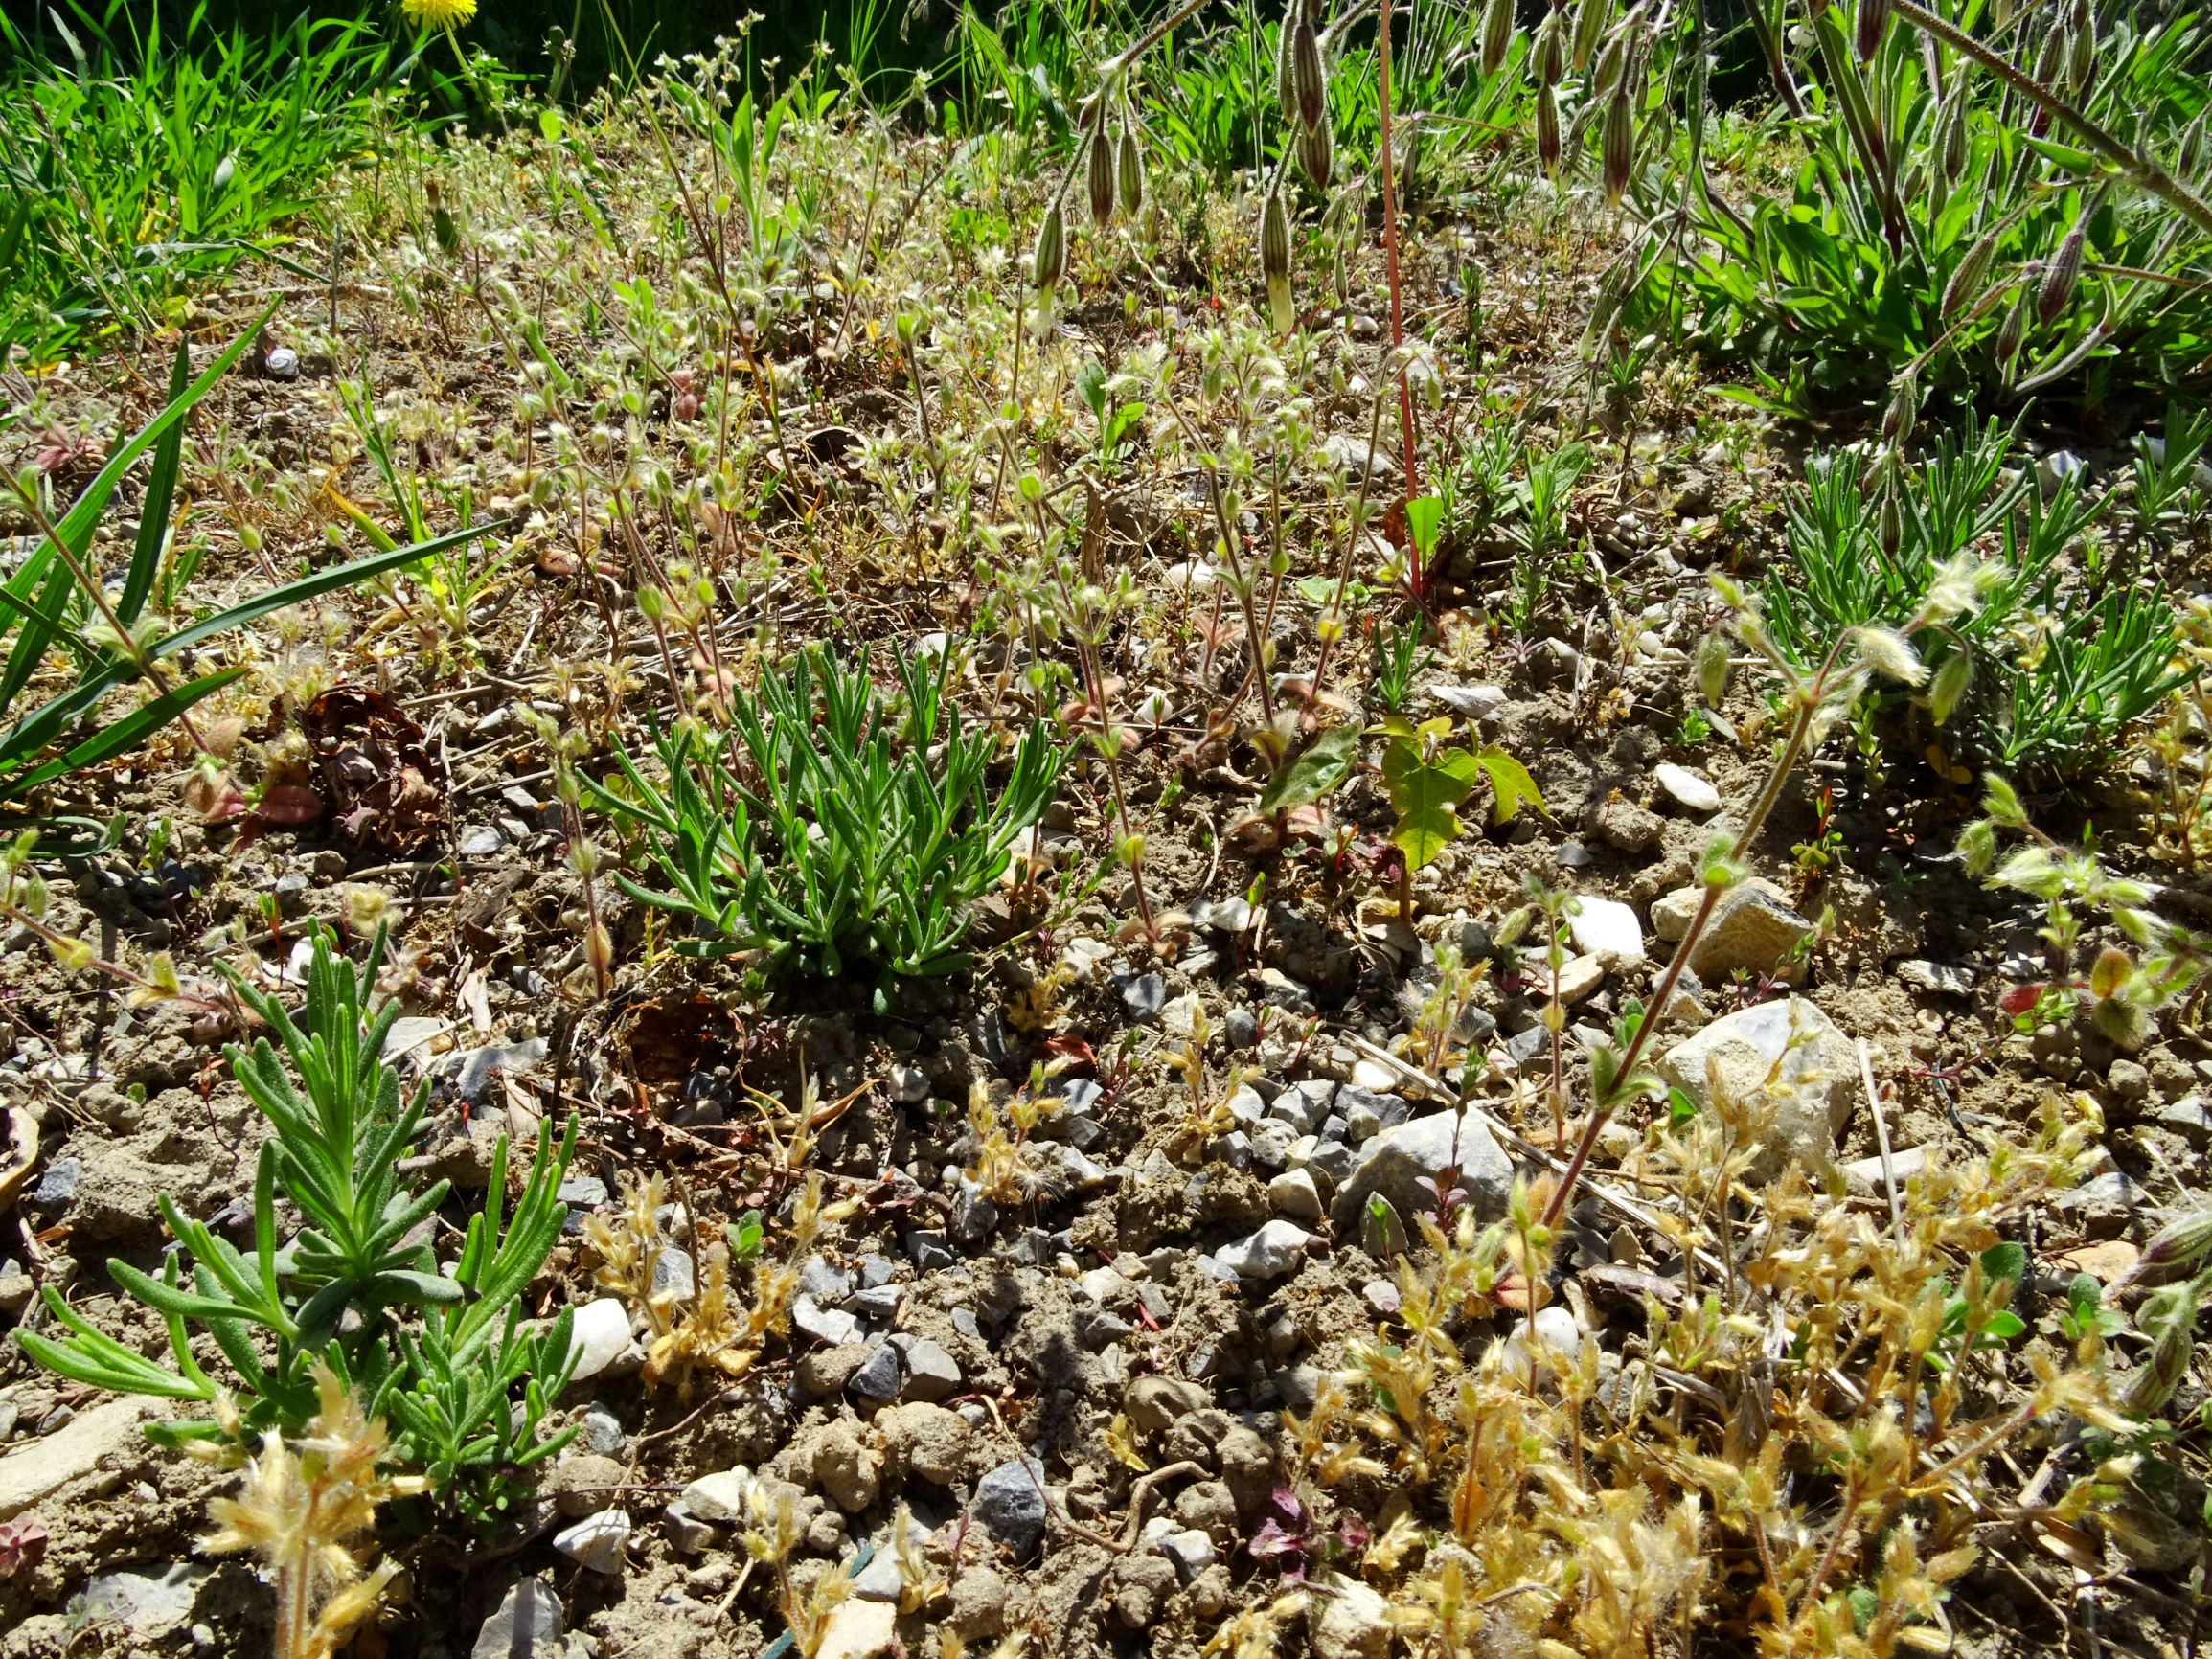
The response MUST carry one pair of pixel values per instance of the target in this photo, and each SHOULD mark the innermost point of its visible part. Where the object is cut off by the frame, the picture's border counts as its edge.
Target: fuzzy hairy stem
(2140, 168)
(1390, 263)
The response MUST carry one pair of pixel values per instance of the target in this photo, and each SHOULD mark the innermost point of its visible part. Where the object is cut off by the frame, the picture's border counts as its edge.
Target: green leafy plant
(141, 162)
(1429, 781)
(1398, 657)
(56, 602)
(818, 826)
(438, 1350)
(1942, 226)
(2059, 655)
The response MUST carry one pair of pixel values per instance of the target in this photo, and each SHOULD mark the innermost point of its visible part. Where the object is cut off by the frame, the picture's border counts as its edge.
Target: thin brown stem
(1390, 264)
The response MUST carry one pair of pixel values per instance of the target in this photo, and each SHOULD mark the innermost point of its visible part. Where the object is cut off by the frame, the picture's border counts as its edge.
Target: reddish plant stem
(1390, 262)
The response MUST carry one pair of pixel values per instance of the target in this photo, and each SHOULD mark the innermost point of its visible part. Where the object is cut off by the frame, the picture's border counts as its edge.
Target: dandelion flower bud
(1100, 177)
(1873, 23)
(1497, 35)
(1051, 259)
(1275, 260)
(1133, 172)
(2062, 272)
(1308, 82)
(1619, 147)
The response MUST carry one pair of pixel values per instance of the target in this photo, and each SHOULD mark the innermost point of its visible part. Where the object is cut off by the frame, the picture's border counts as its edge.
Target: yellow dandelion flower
(438, 13)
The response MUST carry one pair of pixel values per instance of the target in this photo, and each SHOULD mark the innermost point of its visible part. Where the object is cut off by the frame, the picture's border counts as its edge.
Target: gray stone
(1355, 1621)
(882, 1376)
(1937, 976)
(1277, 1248)
(829, 1324)
(1394, 1163)
(673, 1274)
(719, 1497)
(1145, 995)
(472, 1070)
(58, 1186)
(830, 1286)
(931, 1373)
(1472, 701)
(1010, 1505)
(1754, 931)
(601, 1431)
(2189, 1118)
(1814, 1069)
(1241, 1028)
(909, 1085)
(1271, 1140)
(1354, 456)
(582, 1192)
(528, 1624)
(1334, 1161)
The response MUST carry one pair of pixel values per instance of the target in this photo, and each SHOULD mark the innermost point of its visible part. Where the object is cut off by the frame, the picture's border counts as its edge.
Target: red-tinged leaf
(2021, 999)
(1071, 1048)
(289, 803)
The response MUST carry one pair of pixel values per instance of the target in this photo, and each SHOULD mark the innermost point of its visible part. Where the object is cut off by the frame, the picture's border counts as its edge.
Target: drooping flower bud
(1547, 130)
(1968, 276)
(1308, 82)
(1897, 419)
(1590, 22)
(2065, 270)
(1275, 260)
(1496, 36)
(2048, 63)
(2082, 58)
(1098, 177)
(1285, 61)
(1712, 666)
(1550, 56)
(1316, 153)
(1050, 263)
(1133, 172)
(1873, 23)
(1619, 147)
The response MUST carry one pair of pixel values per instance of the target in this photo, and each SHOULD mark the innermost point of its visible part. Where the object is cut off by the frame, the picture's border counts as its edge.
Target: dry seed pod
(1951, 148)
(1619, 147)
(1308, 81)
(1275, 260)
(1589, 24)
(2014, 331)
(1968, 276)
(1547, 130)
(1497, 35)
(1316, 153)
(1133, 172)
(1099, 178)
(1872, 25)
(2063, 271)
(1891, 526)
(1050, 264)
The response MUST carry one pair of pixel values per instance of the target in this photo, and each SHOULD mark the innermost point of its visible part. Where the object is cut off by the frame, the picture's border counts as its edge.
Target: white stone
(1689, 791)
(1277, 1248)
(1556, 1332)
(719, 1497)
(1179, 1020)
(105, 1435)
(1374, 1077)
(598, 1336)
(859, 1629)
(1295, 1195)
(597, 1541)
(1580, 976)
(411, 1037)
(1473, 701)
(828, 1325)
(1607, 930)
(1190, 1550)
(1355, 1621)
